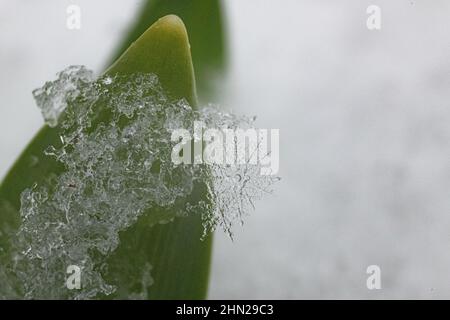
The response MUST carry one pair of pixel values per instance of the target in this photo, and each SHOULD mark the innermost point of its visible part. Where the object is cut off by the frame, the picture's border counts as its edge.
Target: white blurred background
(364, 119)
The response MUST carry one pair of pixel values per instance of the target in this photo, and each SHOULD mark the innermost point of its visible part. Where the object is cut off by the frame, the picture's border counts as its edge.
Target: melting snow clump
(115, 151)
(53, 97)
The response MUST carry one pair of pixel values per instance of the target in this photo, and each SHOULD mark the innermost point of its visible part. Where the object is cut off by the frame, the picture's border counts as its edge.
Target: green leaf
(165, 51)
(205, 24)
(180, 260)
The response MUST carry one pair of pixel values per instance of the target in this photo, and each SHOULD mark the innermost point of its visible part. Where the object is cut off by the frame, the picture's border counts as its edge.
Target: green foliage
(204, 20)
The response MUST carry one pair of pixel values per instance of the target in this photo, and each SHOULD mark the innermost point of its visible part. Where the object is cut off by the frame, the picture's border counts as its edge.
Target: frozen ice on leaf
(54, 96)
(116, 150)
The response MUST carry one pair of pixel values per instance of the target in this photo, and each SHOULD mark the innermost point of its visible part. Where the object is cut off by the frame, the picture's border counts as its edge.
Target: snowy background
(364, 119)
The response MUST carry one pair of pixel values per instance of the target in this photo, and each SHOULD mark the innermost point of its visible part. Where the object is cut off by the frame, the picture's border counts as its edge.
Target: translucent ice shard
(53, 97)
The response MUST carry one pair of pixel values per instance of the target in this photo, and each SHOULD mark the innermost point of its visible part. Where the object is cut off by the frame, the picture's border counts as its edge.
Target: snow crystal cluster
(116, 152)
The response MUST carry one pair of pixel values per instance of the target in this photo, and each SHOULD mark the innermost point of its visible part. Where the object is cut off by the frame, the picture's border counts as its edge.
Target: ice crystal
(53, 97)
(116, 150)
